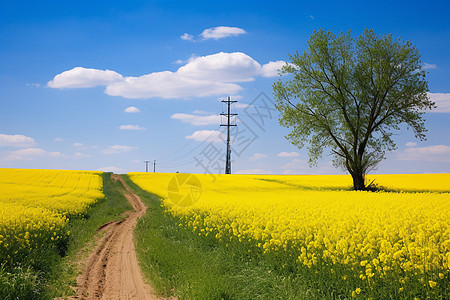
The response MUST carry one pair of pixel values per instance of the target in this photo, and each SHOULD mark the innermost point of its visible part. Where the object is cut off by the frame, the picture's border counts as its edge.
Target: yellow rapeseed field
(383, 244)
(35, 206)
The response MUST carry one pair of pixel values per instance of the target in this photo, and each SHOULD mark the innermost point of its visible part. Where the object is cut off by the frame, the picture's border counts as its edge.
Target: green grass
(53, 272)
(82, 232)
(188, 266)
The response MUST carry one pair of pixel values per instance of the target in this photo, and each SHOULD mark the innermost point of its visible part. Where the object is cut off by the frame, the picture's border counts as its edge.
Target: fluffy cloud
(16, 140)
(253, 171)
(131, 127)
(221, 32)
(117, 149)
(197, 120)
(271, 68)
(410, 144)
(55, 154)
(207, 135)
(222, 67)
(28, 154)
(77, 144)
(288, 154)
(242, 105)
(429, 66)
(437, 153)
(258, 156)
(442, 102)
(169, 85)
(187, 37)
(203, 76)
(132, 109)
(80, 77)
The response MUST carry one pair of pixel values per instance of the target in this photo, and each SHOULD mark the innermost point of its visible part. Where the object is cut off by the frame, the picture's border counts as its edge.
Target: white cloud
(207, 135)
(221, 67)
(80, 155)
(118, 149)
(271, 68)
(112, 169)
(131, 127)
(288, 154)
(221, 32)
(211, 75)
(429, 66)
(16, 140)
(253, 171)
(187, 37)
(410, 144)
(132, 109)
(437, 153)
(258, 156)
(442, 102)
(169, 85)
(34, 84)
(77, 144)
(202, 112)
(80, 77)
(58, 139)
(55, 154)
(197, 120)
(25, 154)
(242, 105)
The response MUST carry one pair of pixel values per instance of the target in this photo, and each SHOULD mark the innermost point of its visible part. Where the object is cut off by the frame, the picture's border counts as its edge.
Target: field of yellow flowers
(35, 206)
(377, 245)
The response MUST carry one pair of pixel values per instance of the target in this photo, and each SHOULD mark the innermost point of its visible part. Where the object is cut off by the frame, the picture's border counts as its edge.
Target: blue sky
(104, 85)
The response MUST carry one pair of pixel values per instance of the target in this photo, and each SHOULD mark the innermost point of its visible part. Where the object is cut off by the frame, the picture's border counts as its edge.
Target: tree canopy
(348, 95)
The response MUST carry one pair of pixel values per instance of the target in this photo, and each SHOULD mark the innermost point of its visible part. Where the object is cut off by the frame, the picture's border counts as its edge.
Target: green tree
(348, 95)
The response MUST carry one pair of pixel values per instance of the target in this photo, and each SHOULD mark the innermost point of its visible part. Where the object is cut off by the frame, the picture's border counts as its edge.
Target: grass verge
(187, 266)
(82, 232)
(54, 275)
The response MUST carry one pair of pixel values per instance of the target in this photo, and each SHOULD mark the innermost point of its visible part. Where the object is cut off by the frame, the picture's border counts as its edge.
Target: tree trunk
(358, 181)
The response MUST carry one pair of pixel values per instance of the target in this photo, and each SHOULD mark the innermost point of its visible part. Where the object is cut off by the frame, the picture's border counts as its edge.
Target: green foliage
(349, 95)
(19, 283)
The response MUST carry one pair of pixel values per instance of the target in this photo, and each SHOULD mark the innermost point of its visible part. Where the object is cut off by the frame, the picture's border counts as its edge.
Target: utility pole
(228, 115)
(154, 166)
(146, 165)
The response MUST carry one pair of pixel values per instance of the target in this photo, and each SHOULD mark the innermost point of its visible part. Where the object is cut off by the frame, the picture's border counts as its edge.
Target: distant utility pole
(228, 115)
(146, 165)
(154, 166)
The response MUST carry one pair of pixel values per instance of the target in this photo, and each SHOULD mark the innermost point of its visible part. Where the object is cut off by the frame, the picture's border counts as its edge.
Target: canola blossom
(369, 244)
(35, 206)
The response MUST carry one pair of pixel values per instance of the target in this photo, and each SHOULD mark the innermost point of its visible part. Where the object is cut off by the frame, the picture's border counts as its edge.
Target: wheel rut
(112, 270)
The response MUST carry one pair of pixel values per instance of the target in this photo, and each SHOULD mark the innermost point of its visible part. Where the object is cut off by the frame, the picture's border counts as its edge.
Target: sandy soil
(112, 270)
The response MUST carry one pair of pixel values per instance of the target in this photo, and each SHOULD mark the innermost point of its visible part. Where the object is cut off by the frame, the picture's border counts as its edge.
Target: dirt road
(112, 270)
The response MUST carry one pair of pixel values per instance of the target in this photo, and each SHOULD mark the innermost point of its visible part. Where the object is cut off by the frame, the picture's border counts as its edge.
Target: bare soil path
(112, 270)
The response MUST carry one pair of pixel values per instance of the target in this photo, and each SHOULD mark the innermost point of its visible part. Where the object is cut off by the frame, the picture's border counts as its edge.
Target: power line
(192, 150)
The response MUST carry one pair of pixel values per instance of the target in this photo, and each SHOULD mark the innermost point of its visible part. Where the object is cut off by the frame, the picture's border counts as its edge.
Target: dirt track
(112, 270)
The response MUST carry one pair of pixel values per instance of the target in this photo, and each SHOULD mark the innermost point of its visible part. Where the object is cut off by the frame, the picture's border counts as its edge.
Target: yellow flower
(387, 236)
(432, 283)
